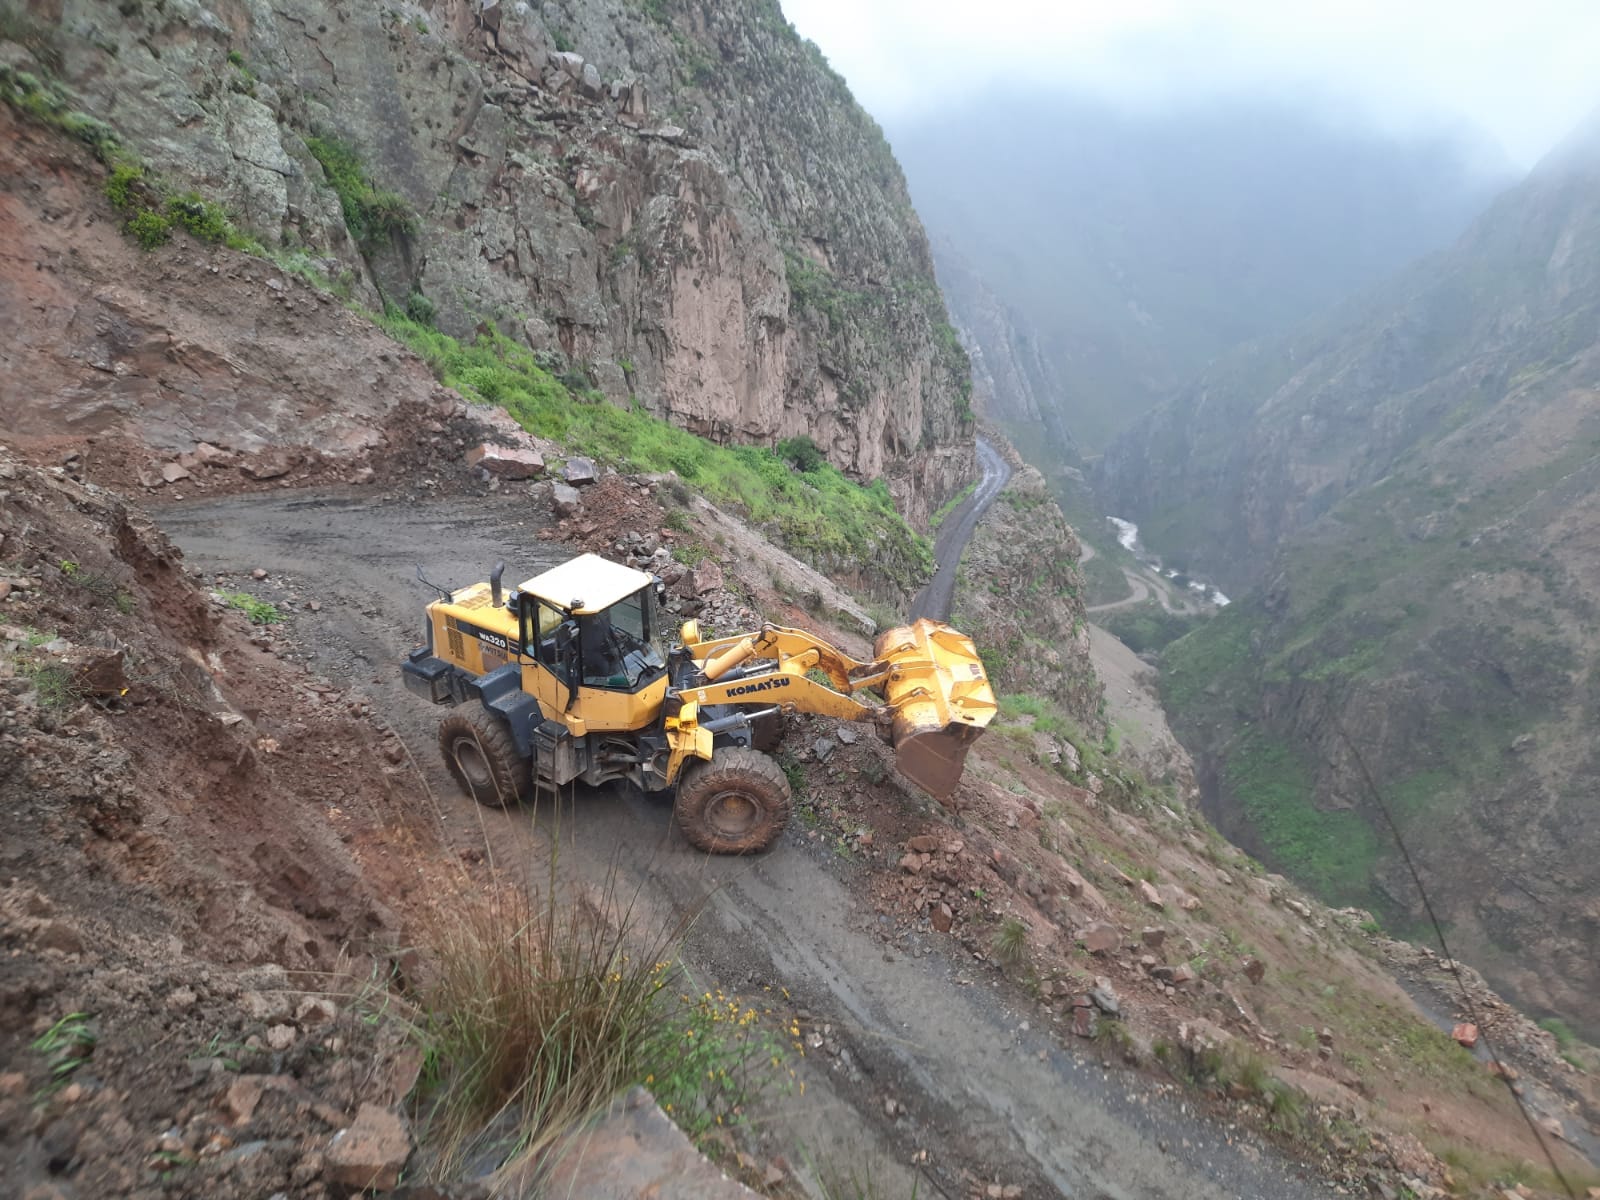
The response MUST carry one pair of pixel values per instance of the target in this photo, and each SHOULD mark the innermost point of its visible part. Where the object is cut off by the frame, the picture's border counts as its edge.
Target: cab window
(540, 621)
(620, 649)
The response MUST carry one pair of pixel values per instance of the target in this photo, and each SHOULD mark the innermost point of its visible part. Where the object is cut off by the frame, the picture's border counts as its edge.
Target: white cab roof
(586, 584)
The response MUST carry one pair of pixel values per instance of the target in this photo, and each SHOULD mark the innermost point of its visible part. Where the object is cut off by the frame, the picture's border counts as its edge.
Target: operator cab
(594, 624)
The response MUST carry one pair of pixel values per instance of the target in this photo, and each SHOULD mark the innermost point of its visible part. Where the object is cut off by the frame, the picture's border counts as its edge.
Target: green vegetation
(372, 214)
(1010, 943)
(860, 321)
(1146, 628)
(1561, 1031)
(1333, 852)
(817, 512)
(259, 612)
(420, 309)
(950, 505)
(801, 453)
(1104, 580)
(66, 1045)
(100, 587)
(120, 186)
(149, 228)
(205, 220)
(545, 1011)
(139, 196)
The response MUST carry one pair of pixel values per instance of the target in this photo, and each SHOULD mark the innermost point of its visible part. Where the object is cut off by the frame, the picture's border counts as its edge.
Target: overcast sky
(1522, 71)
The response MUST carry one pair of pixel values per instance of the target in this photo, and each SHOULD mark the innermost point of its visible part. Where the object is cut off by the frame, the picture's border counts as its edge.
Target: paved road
(984, 1085)
(956, 531)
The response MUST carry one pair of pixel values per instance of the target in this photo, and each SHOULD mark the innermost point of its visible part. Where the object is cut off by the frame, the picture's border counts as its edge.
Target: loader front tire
(480, 753)
(737, 803)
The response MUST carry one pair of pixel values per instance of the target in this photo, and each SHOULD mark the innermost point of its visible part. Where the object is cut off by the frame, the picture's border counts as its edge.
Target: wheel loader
(568, 678)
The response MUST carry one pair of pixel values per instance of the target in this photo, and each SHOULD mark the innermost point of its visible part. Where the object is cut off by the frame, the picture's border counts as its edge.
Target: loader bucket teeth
(942, 701)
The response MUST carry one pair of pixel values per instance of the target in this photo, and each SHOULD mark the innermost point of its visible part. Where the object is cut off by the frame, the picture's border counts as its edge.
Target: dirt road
(956, 531)
(984, 1087)
(1142, 584)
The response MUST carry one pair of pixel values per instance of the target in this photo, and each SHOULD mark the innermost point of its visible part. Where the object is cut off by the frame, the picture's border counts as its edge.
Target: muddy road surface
(983, 1086)
(956, 531)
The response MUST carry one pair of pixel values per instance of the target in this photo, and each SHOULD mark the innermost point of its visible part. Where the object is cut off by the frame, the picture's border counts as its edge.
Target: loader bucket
(942, 701)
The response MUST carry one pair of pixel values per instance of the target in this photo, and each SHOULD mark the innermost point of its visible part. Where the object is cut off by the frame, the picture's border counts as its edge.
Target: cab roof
(586, 584)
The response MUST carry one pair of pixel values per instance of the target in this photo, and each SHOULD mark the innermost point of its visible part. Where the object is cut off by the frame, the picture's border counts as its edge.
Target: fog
(1521, 74)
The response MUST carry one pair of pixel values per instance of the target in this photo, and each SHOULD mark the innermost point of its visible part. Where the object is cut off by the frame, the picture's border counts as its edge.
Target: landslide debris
(200, 844)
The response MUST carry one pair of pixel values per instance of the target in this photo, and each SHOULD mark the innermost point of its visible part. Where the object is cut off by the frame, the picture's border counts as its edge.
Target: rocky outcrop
(1014, 383)
(1020, 598)
(678, 204)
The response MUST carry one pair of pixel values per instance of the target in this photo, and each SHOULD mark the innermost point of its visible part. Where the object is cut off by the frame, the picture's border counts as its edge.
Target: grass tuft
(1011, 941)
(540, 1012)
(372, 214)
(260, 612)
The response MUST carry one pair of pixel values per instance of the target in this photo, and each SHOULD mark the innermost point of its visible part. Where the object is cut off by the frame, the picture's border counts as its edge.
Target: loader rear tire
(480, 753)
(737, 803)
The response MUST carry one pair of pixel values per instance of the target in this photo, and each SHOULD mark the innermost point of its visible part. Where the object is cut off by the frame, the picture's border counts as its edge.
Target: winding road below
(956, 531)
(1142, 586)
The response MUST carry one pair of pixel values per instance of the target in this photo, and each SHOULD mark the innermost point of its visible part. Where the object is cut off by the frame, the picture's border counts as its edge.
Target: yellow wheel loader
(569, 678)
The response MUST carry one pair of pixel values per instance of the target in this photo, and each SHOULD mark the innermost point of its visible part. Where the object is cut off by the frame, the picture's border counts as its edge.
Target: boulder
(589, 82)
(705, 576)
(1073, 883)
(1105, 998)
(507, 462)
(1466, 1034)
(271, 464)
(211, 455)
(1153, 936)
(566, 500)
(371, 1153)
(1101, 938)
(174, 472)
(567, 62)
(1255, 970)
(1148, 893)
(580, 471)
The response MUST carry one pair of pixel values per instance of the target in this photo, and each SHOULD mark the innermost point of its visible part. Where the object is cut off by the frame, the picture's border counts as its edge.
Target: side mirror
(567, 657)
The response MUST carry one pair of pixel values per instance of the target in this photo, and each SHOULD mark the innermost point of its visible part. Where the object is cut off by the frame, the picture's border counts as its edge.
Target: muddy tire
(481, 755)
(737, 803)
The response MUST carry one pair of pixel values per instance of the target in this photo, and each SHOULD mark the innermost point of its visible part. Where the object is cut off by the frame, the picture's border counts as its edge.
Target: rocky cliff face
(677, 201)
(1413, 489)
(1013, 381)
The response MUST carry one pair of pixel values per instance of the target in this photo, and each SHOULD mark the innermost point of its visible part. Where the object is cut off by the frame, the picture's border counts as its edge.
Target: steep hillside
(677, 205)
(1142, 243)
(1413, 489)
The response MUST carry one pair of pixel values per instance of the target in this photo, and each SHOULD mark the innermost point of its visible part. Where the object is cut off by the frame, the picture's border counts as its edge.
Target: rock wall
(678, 202)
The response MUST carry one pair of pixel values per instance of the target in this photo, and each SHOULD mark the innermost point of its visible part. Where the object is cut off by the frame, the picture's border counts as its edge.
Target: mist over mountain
(1410, 487)
(1128, 248)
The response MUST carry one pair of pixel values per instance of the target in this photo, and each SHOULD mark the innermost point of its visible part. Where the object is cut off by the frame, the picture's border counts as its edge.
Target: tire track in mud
(985, 1086)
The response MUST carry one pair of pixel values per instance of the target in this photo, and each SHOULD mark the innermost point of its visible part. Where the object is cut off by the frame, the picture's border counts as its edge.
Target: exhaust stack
(494, 583)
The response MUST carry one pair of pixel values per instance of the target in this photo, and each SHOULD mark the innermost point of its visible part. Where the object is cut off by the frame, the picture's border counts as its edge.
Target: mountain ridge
(1409, 491)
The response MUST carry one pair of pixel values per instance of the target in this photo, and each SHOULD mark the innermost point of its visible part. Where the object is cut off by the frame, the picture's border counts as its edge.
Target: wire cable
(1454, 966)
